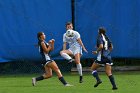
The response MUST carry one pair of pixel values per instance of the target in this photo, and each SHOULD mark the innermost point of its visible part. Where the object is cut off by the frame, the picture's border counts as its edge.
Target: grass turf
(127, 82)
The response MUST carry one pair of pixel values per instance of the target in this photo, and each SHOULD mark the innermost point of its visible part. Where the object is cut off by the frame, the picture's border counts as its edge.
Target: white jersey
(72, 41)
(74, 46)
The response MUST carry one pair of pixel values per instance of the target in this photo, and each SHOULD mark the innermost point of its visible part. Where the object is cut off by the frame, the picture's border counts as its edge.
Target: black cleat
(98, 82)
(114, 88)
(81, 79)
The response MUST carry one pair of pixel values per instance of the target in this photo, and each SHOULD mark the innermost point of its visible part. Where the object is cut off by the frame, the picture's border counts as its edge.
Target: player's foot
(33, 81)
(81, 79)
(97, 83)
(114, 88)
(71, 60)
(67, 85)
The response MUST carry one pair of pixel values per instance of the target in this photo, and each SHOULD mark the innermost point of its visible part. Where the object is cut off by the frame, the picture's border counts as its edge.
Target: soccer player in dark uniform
(49, 64)
(104, 48)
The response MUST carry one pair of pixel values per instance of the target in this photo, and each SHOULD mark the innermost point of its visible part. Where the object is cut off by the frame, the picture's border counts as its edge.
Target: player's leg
(110, 76)
(55, 68)
(95, 73)
(79, 66)
(66, 54)
(46, 75)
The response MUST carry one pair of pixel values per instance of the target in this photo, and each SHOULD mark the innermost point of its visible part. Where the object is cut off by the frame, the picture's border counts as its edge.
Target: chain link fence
(28, 67)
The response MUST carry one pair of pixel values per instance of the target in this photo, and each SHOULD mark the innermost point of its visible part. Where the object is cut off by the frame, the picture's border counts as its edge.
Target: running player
(104, 47)
(75, 48)
(48, 63)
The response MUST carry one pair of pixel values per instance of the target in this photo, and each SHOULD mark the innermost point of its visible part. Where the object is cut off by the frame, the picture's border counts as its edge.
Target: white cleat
(33, 81)
(68, 85)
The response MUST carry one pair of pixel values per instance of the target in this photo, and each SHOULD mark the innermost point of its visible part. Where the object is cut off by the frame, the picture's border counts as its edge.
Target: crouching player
(49, 65)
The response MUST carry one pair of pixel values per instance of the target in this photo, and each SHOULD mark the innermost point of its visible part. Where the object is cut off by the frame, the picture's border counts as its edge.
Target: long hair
(102, 30)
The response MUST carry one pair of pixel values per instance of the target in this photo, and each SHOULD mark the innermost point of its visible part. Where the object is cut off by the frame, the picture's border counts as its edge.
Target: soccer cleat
(67, 85)
(33, 81)
(71, 60)
(81, 79)
(98, 82)
(114, 88)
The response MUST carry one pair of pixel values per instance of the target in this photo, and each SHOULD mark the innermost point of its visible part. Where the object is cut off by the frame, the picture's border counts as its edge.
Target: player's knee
(108, 73)
(47, 76)
(77, 61)
(61, 52)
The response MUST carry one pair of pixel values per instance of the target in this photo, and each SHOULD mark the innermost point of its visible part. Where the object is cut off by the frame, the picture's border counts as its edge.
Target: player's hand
(50, 41)
(85, 50)
(94, 52)
(53, 40)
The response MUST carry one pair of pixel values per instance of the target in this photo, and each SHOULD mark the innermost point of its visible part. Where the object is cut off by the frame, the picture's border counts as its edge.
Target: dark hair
(102, 30)
(68, 23)
(39, 34)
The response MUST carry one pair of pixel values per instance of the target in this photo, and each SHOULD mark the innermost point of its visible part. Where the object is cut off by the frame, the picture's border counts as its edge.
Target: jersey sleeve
(77, 35)
(64, 37)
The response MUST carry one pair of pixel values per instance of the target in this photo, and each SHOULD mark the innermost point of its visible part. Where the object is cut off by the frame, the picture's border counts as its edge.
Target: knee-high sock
(95, 74)
(63, 80)
(39, 78)
(111, 78)
(66, 56)
(79, 68)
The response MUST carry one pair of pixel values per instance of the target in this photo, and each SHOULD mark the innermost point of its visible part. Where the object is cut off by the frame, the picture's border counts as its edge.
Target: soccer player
(104, 48)
(49, 64)
(75, 48)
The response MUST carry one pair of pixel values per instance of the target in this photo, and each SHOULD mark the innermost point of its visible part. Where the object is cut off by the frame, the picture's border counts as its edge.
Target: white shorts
(74, 50)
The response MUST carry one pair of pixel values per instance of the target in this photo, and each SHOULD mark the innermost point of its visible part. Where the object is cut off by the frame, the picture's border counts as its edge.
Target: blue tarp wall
(20, 20)
(121, 18)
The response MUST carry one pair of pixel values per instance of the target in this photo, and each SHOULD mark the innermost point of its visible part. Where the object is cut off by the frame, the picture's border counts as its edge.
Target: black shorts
(46, 62)
(104, 61)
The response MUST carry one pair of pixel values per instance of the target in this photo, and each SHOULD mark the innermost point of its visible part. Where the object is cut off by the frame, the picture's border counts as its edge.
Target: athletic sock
(111, 78)
(95, 74)
(39, 78)
(66, 56)
(79, 68)
(63, 80)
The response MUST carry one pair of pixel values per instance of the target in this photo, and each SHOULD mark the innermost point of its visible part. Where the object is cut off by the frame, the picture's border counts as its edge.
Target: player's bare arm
(51, 43)
(98, 49)
(81, 43)
(64, 45)
(111, 47)
(45, 49)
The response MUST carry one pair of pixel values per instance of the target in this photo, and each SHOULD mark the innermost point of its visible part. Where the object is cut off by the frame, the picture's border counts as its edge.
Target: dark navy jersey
(104, 55)
(44, 55)
(103, 39)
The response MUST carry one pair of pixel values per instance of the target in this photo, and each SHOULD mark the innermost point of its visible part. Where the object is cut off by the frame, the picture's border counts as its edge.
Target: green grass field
(128, 82)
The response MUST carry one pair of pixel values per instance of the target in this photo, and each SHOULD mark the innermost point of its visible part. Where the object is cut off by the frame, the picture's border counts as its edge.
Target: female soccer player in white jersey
(104, 47)
(49, 64)
(75, 48)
